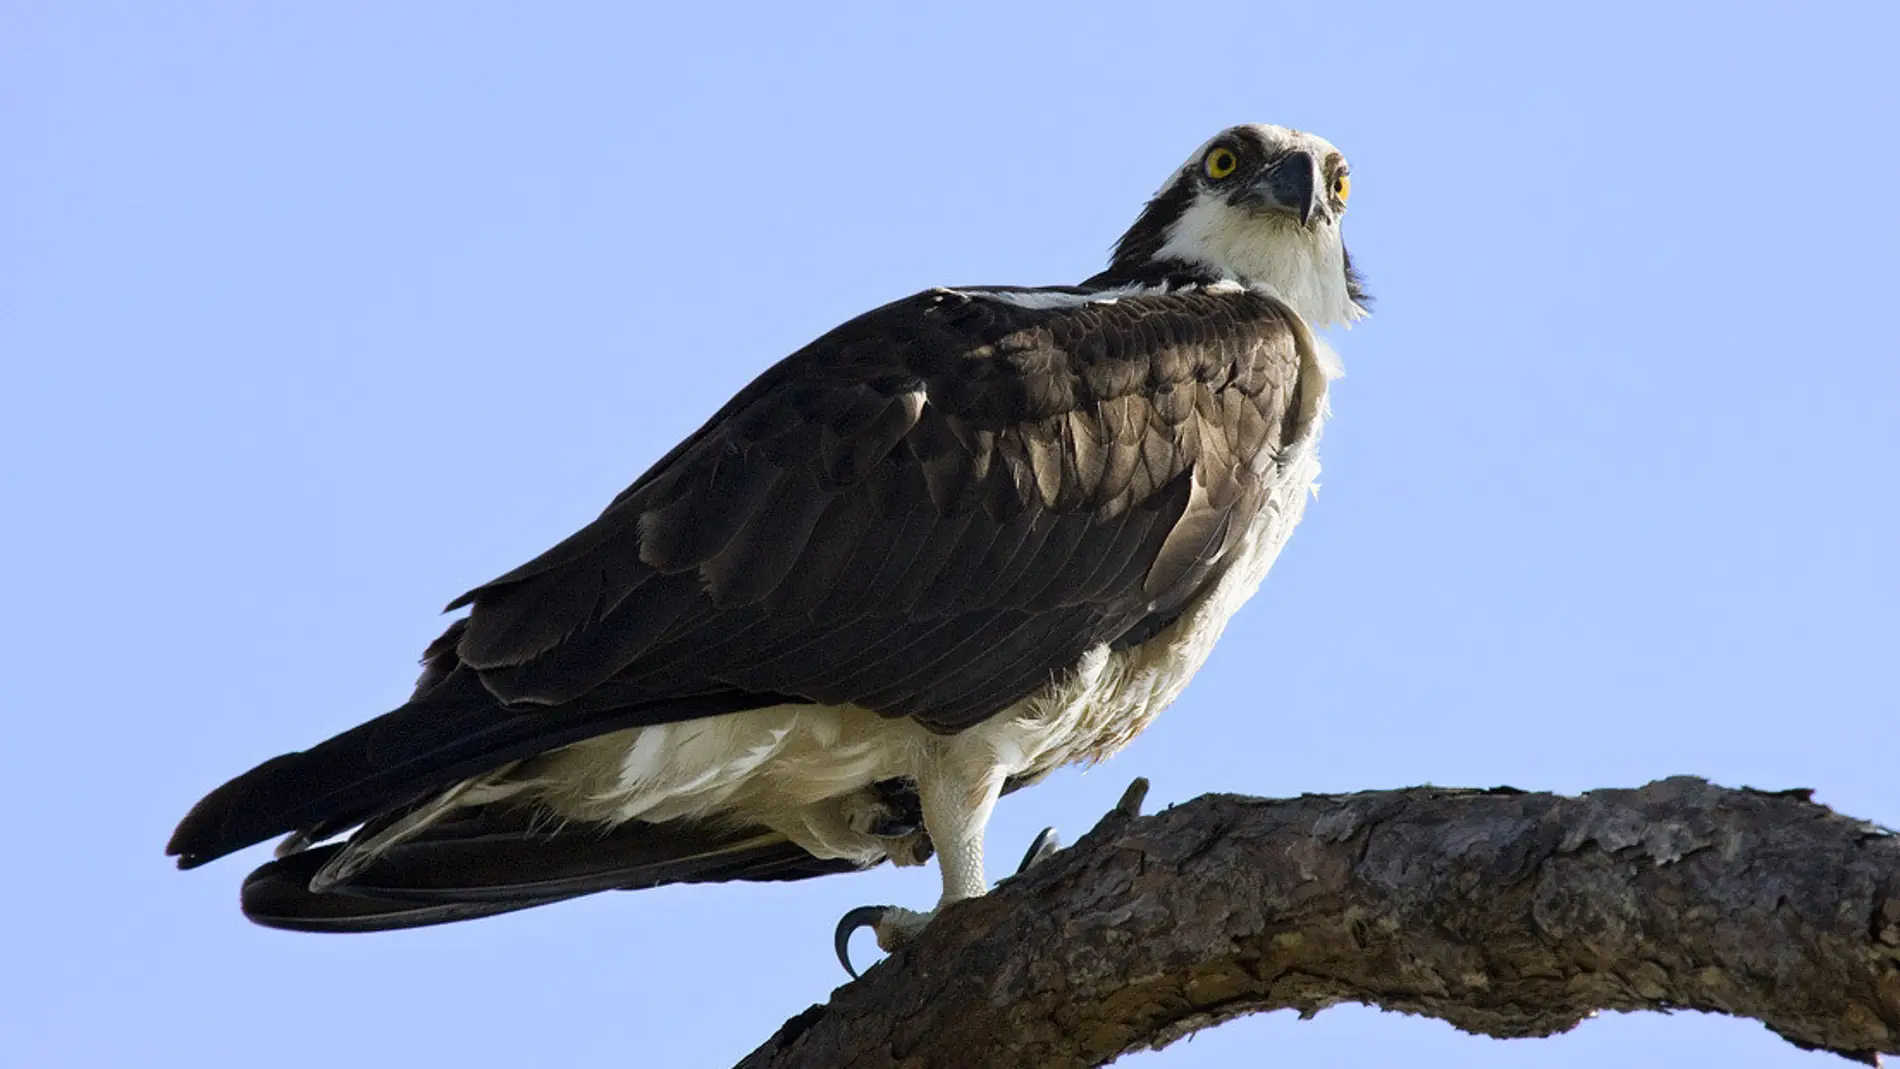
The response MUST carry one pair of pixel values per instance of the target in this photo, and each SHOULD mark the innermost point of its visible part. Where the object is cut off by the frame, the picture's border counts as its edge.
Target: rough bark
(1502, 912)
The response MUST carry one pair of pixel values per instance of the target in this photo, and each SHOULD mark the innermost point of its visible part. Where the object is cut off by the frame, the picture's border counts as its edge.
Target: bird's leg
(956, 811)
(958, 797)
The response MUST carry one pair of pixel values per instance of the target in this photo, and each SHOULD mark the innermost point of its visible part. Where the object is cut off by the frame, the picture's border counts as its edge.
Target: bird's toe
(1045, 845)
(888, 809)
(910, 850)
(893, 926)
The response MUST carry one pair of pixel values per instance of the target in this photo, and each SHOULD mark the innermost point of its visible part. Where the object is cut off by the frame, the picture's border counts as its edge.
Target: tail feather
(278, 895)
(489, 861)
(452, 731)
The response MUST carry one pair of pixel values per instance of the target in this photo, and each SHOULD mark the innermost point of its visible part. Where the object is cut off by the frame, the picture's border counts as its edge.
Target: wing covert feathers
(946, 466)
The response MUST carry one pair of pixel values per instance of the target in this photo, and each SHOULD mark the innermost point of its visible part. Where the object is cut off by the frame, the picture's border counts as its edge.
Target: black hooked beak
(1289, 185)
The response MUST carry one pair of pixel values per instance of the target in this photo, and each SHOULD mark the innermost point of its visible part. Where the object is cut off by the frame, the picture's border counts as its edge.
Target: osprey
(949, 547)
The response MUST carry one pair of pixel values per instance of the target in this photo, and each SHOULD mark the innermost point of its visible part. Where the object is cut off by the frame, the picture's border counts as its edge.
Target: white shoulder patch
(1057, 299)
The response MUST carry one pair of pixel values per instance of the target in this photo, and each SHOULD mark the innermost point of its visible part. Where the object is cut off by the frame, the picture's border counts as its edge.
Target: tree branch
(1504, 913)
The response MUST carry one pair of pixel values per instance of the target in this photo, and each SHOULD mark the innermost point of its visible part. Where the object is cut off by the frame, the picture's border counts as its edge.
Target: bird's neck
(1322, 290)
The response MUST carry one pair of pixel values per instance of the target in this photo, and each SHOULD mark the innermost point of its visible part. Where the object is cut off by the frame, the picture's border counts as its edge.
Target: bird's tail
(453, 731)
(496, 859)
(443, 833)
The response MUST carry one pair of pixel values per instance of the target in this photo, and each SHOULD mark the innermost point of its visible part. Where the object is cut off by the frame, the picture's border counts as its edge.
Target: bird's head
(1257, 204)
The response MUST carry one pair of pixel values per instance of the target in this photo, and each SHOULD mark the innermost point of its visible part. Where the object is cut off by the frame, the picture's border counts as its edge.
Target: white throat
(1306, 267)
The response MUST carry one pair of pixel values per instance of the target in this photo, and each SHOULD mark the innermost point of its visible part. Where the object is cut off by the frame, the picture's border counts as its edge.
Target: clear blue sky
(311, 320)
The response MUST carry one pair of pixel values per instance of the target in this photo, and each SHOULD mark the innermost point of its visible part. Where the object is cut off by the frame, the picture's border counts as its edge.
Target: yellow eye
(1342, 187)
(1221, 163)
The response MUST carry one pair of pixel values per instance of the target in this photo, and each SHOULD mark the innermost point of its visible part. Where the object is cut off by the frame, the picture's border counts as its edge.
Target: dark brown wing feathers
(882, 474)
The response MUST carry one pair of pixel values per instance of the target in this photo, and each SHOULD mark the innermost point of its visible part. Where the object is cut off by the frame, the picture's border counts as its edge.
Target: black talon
(861, 917)
(893, 828)
(1046, 842)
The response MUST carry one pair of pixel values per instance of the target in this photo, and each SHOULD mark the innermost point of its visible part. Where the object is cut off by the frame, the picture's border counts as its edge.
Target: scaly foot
(894, 926)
